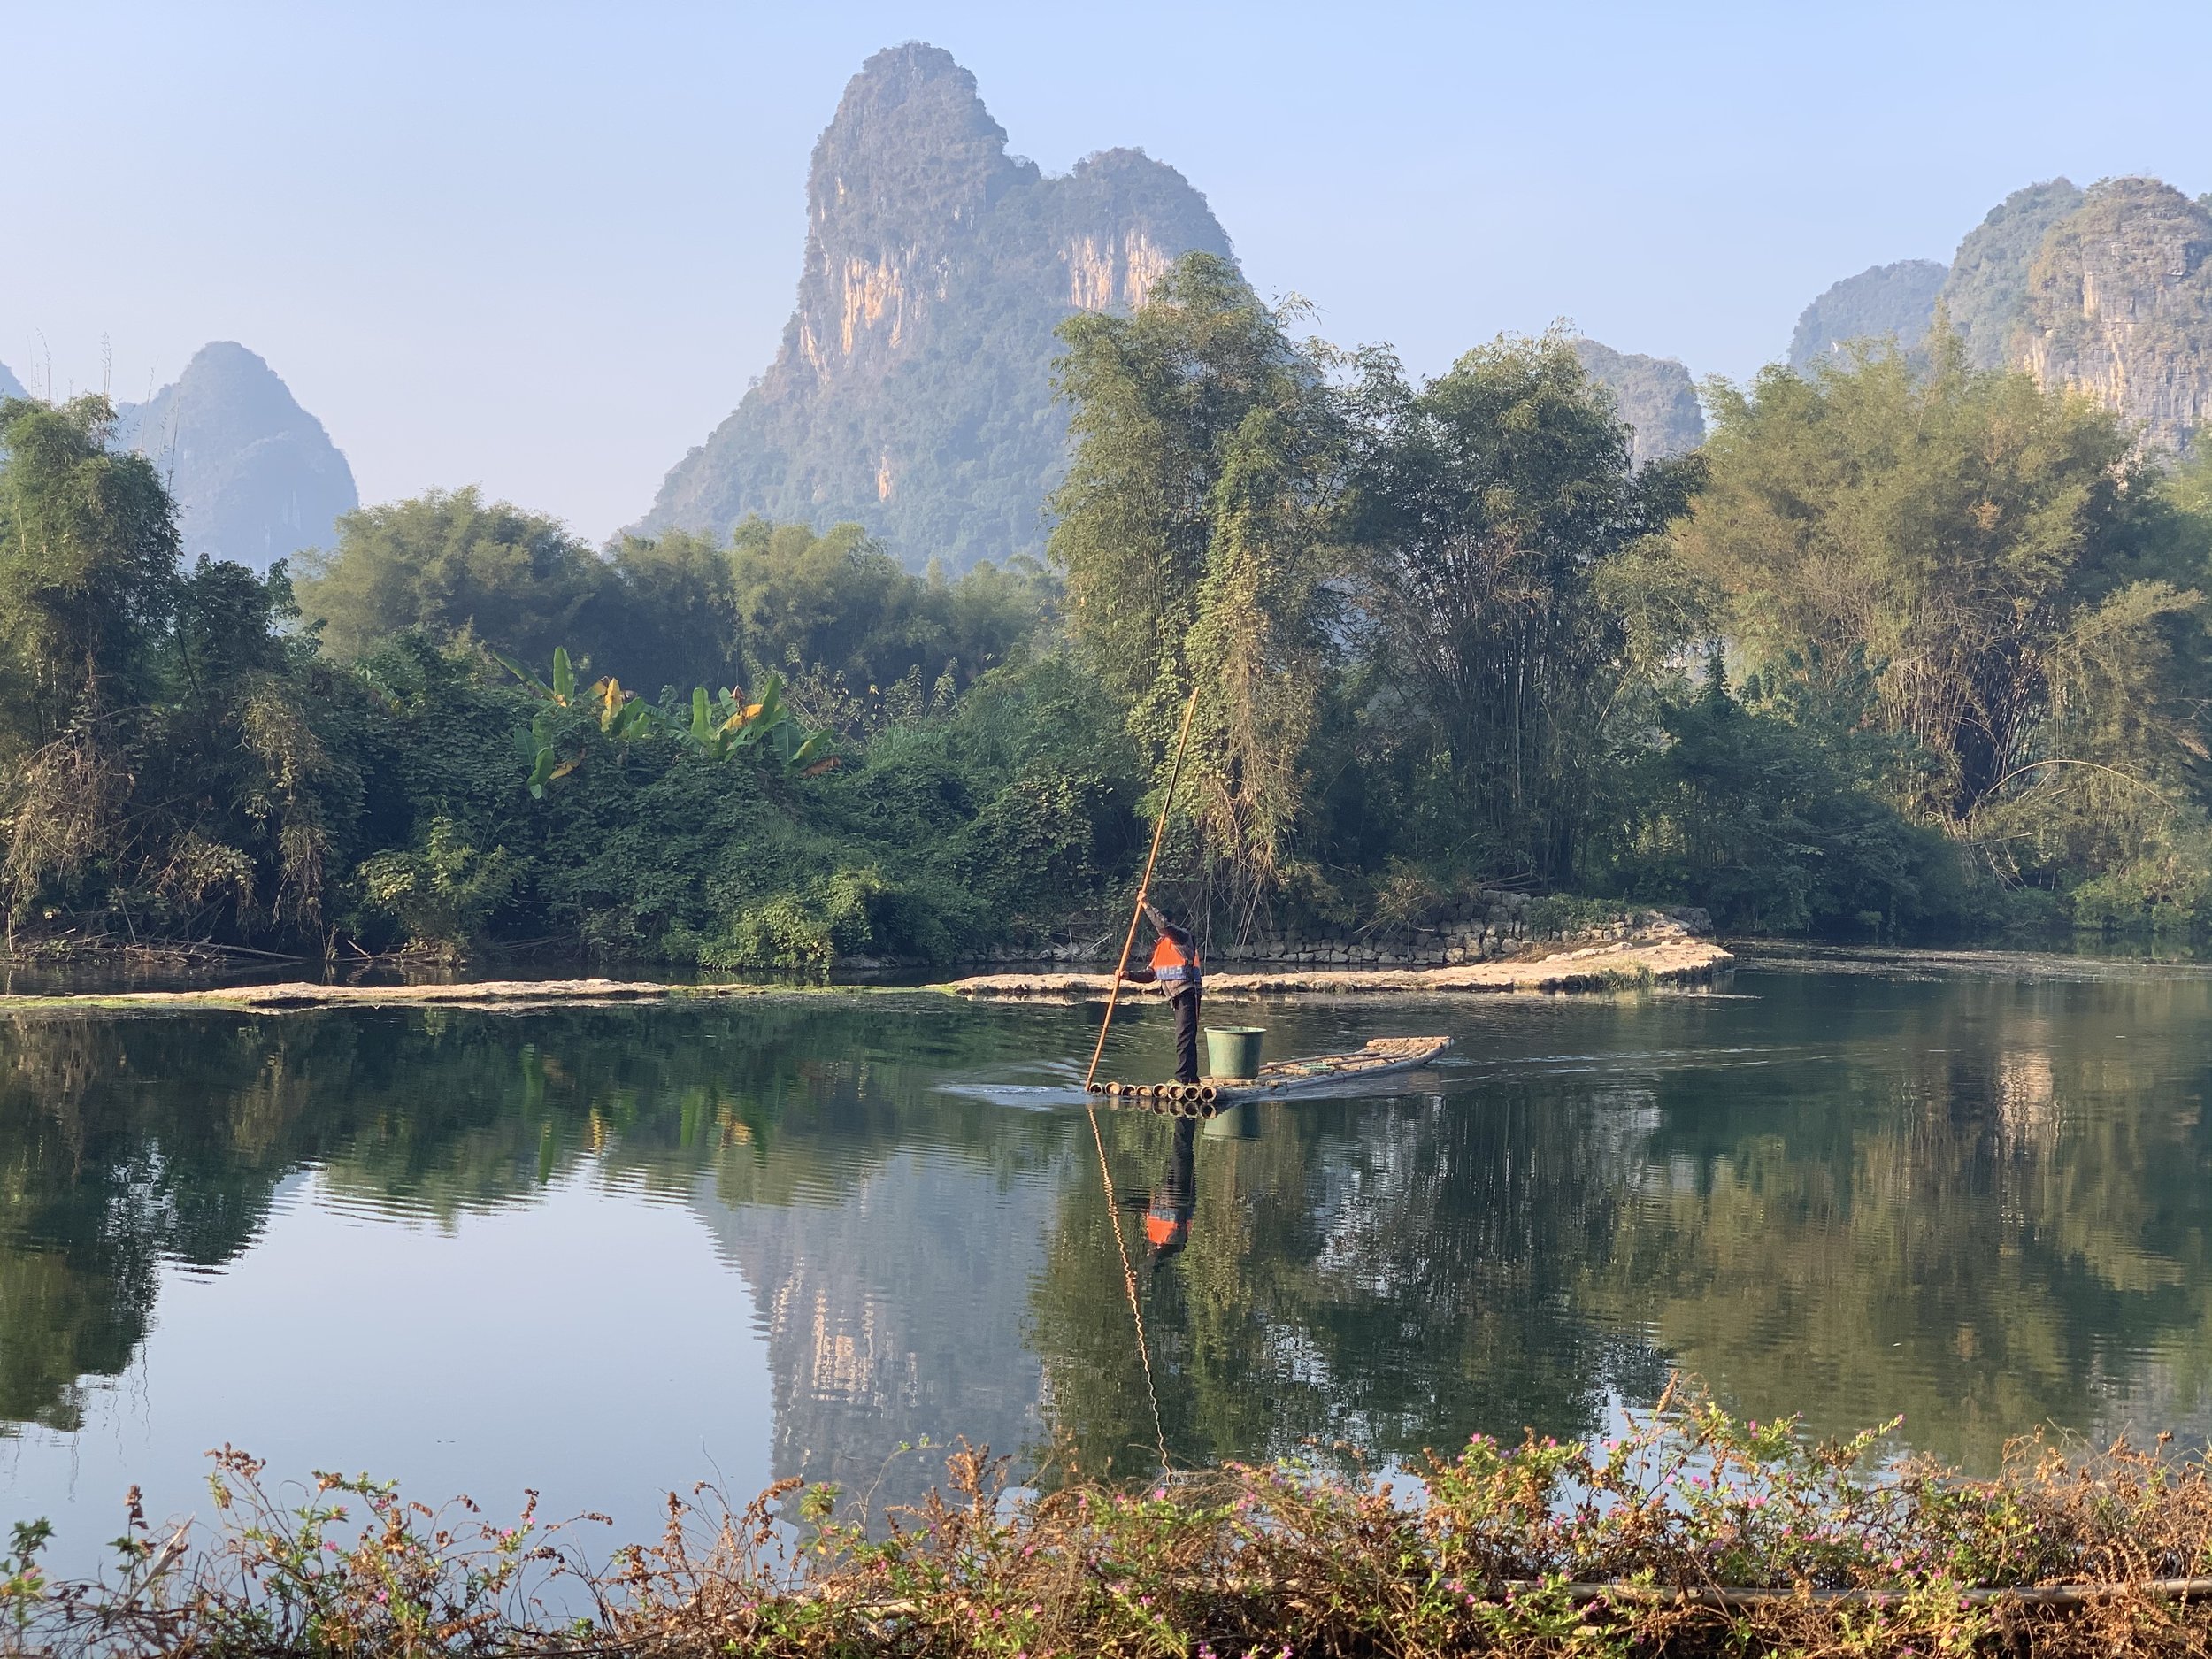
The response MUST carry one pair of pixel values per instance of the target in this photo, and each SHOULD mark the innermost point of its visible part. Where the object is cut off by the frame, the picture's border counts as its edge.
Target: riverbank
(305, 996)
(1668, 956)
(1672, 957)
(1690, 1534)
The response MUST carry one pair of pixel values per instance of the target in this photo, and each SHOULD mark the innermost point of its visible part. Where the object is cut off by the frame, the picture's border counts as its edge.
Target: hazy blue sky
(543, 247)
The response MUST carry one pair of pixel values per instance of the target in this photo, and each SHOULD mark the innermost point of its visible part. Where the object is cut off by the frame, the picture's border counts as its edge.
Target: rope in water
(1098, 1137)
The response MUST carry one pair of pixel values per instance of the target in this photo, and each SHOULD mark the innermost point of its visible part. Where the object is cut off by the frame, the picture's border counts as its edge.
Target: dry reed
(1695, 1534)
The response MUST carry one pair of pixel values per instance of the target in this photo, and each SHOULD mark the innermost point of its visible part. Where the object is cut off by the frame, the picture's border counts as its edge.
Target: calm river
(607, 1253)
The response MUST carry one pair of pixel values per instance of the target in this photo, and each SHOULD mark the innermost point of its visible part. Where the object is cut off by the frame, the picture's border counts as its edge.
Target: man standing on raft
(1175, 965)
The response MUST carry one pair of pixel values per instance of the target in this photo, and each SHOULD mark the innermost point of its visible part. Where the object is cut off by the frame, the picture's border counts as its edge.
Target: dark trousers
(1185, 1006)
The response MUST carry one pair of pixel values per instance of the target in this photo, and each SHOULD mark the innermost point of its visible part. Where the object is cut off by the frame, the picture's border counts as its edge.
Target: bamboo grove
(1908, 648)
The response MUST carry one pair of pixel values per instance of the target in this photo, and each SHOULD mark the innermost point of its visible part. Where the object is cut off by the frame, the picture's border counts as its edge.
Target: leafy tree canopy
(449, 563)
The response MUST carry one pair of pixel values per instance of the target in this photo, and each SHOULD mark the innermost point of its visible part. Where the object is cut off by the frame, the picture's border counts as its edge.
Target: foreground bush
(1697, 1535)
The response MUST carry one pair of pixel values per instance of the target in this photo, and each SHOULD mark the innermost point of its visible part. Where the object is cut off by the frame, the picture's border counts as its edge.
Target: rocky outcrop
(913, 391)
(255, 476)
(1988, 286)
(1655, 396)
(9, 386)
(1883, 302)
(2119, 305)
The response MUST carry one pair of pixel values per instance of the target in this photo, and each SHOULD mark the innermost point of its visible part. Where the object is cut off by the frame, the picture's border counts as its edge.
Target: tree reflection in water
(1981, 1203)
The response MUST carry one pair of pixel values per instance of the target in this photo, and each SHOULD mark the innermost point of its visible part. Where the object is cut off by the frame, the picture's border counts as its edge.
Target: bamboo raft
(1276, 1078)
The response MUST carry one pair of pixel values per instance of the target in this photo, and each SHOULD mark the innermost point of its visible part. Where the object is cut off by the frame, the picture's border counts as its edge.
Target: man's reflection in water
(1167, 1218)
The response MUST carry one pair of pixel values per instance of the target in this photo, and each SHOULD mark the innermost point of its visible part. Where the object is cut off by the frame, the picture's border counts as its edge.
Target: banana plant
(623, 715)
(561, 692)
(728, 725)
(725, 725)
(721, 725)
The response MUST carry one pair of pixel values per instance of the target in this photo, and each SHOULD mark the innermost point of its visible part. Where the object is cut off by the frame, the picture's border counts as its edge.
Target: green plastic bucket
(1234, 1051)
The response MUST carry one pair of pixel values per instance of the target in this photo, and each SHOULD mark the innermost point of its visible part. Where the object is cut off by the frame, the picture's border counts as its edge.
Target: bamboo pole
(1144, 887)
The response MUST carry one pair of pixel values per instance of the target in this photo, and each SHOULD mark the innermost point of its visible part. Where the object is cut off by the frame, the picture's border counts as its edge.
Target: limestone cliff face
(1885, 302)
(2107, 291)
(912, 392)
(2119, 305)
(256, 477)
(1654, 394)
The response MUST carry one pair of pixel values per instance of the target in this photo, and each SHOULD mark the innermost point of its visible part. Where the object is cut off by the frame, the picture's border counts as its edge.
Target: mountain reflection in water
(609, 1252)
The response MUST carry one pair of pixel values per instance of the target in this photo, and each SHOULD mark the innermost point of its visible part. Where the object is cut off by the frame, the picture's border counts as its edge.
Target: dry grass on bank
(1702, 1536)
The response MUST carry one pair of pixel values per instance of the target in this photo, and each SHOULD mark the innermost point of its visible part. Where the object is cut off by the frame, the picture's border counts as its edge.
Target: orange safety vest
(1169, 965)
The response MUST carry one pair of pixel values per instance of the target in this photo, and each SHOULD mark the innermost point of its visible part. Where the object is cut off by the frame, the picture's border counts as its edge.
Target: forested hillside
(1885, 302)
(1902, 650)
(913, 394)
(1988, 284)
(2106, 292)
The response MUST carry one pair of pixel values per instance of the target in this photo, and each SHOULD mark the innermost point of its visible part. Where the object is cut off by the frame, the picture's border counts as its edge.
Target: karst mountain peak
(2105, 291)
(912, 392)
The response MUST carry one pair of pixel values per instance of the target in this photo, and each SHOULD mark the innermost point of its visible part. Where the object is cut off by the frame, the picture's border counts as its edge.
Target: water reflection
(1978, 1203)
(1167, 1218)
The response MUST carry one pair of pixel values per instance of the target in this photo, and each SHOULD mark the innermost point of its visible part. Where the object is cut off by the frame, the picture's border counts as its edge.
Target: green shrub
(444, 893)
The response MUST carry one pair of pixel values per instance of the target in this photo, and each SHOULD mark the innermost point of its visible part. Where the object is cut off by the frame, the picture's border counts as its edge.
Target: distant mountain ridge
(255, 477)
(1882, 302)
(1654, 396)
(912, 392)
